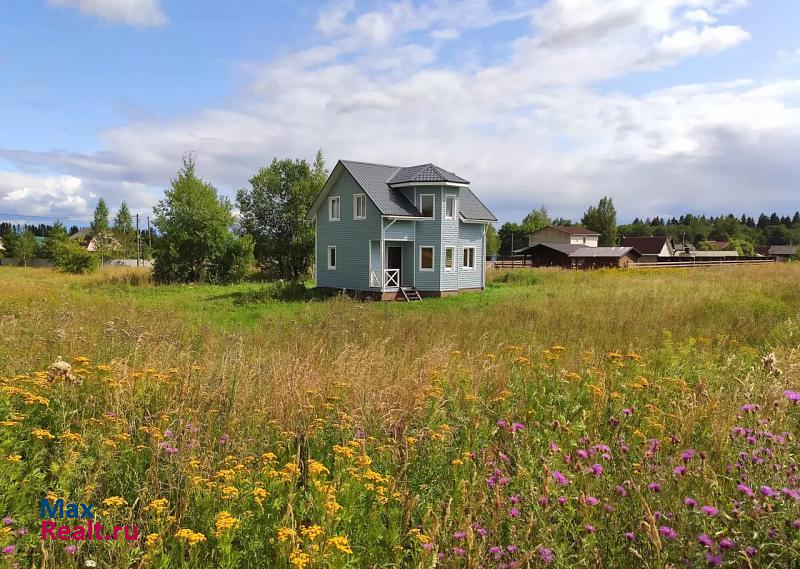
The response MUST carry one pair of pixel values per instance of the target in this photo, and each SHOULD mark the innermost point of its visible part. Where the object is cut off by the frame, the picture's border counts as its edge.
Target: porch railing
(391, 277)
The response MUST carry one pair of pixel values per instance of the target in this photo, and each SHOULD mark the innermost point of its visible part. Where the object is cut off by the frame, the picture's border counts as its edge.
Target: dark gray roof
(424, 173)
(372, 179)
(565, 248)
(613, 252)
(471, 208)
(783, 250)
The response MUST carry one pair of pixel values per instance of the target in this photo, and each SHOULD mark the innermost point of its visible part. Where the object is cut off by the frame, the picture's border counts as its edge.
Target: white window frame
(335, 257)
(338, 201)
(444, 258)
(363, 199)
(433, 205)
(463, 259)
(433, 258)
(447, 199)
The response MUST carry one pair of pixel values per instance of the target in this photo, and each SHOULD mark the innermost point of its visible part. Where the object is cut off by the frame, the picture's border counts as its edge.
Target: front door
(395, 260)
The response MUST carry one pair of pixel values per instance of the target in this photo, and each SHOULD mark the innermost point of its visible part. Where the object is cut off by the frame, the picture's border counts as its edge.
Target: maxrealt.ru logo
(90, 530)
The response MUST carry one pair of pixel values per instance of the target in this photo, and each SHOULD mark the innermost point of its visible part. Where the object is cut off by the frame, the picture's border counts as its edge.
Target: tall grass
(408, 434)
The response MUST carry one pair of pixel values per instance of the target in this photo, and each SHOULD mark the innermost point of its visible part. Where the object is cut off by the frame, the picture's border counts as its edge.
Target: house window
(331, 257)
(449, 258)
(426, 258)
(469, 258)
(333, 208)
(360, 206)
(450, 207)
(427, 205)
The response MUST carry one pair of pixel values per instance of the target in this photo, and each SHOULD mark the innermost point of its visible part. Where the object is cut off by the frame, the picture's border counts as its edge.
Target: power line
(24, 216)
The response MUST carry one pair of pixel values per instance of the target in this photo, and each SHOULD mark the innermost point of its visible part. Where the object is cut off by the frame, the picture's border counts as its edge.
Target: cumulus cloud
(132, 12)
(527, 128)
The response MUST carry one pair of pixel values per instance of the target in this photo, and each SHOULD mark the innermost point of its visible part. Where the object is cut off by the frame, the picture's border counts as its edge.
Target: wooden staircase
(409, 294)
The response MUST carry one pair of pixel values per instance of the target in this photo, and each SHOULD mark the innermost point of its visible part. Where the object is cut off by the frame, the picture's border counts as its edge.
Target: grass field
(607, 418)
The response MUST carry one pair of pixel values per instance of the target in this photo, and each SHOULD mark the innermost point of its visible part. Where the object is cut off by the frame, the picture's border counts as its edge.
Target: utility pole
(149, 234)
(138, 241)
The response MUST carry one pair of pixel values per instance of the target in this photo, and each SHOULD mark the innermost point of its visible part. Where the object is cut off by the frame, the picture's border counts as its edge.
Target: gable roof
(605, 252)
(424, 173)
(565, 248)
(375, 180)
(570, 229)
(646, 245)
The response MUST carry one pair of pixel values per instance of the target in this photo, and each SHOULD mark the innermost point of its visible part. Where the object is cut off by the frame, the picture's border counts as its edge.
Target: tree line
(741, 233)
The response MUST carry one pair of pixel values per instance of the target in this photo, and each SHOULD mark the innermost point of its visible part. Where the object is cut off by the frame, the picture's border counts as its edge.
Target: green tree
(744, 248)
(195, 226)
(70, 257)
(492, 240)
(57, 235)
(23, 246)
(100, 220)
(512, 237)
(273, 211)
(603, 219)
(536, 219)
(123, 230)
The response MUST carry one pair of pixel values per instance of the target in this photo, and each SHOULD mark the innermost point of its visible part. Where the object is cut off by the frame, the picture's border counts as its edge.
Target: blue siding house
(394, 232)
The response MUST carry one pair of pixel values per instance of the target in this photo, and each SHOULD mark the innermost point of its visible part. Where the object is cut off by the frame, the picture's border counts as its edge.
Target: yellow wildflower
(8, 423)
(311, 532)
(259, 494)
(189, 536)
(340, 543)
(224, 521)
(299, 559)
(115, 502)
(151, 540)
(230, 492)
(159, 505)
(14, 458)
(285, 534)
(42, 434)
(316, 468)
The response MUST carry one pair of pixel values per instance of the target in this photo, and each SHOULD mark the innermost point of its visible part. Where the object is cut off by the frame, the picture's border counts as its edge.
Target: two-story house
(390, 232)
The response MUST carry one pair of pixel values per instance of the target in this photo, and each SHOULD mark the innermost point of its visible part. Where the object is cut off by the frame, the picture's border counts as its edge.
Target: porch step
(410, 294)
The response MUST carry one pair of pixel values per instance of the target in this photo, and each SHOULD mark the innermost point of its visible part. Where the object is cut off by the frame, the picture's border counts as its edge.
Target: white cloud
(528, 128)
(40, 195)
(132, 12)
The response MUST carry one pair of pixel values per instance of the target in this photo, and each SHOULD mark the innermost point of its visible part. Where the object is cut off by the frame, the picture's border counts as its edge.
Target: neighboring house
(783, 252)
(714, 255)
(652, 249)
(549, 254)
(387, 231)
(569, 235)
(85, 238)
(597, 257)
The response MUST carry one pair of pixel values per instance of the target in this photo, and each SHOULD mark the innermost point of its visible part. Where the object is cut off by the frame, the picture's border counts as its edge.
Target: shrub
(235, 261)
(72, 258)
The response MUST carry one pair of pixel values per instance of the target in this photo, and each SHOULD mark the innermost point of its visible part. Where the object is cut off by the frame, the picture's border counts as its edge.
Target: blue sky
(666, 105)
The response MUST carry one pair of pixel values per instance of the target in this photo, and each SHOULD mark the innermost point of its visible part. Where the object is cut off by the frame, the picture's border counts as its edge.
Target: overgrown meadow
(604, 419)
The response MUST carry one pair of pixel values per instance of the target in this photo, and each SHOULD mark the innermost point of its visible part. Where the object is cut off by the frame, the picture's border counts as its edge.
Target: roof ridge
(371, 163)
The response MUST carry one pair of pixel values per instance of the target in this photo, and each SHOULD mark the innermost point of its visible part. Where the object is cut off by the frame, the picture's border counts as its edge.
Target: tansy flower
(311, 532)
(190, 536)
(115, 502)
(285, 534)
(299, 559)
(42, 434)
(158, 505)
(340, 543)
(151, 540)
(224, 521)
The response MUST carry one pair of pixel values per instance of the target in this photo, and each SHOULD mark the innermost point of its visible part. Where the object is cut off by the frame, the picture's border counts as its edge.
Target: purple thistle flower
(71, 549)
(590, 528)
(223, 440)
(514, 499)
(8, 521)
(679, 470)
(597, 469)
(713, 560)
(668, 532)
(511, 548)
(546, 555)
(513, 513)
(745, 489)
(9, 550)
(459, 535)
(560, 478)
(496, 550)
(22, 531)
(690, 502)
(554, 447)
(630, 536)
(749, 408)
(502, 423)
(709, 510)
(726, 544)
(592, 501)
(750, 551)
(620, 489)
(562, 500)
(687, 455)
(792, 396)
(796, 524)
(705, 540)
(654, 487)
(517, 427)
(627, 412)
(460, 551)
(767, 491)
(543, 501)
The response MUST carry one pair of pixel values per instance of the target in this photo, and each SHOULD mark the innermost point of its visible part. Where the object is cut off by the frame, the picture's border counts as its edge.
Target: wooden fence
(519, 263)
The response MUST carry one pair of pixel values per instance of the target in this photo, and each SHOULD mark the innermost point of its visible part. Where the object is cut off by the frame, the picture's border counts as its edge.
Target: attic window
(334, 209)
(450, 207)
(360, 206)
(426, 205)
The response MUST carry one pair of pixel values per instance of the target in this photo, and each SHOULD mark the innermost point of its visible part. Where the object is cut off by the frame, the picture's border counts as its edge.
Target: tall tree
(536, 219)
(195, 232)
(492, 240)
(123, 229)
(603, 219)
(55, 237)
(23, 246)
(273, 211)
(100, 219)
